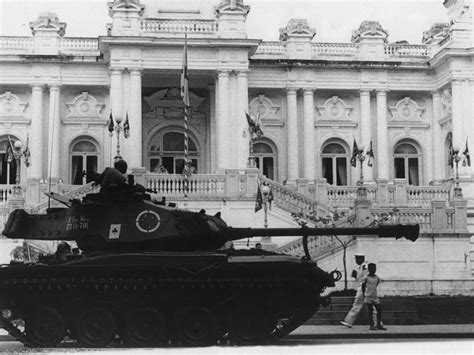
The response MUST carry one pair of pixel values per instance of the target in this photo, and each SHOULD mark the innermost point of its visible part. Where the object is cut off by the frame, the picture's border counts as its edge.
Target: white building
(411, 102)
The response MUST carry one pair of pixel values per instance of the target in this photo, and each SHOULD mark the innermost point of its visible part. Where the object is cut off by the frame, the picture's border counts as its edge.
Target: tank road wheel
(45, 327)
(196, 326)
(249, 325)
(95, 327)
(144, 327)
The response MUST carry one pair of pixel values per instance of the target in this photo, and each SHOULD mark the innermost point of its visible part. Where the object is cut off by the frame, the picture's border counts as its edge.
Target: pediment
(48, 21)
(369, 29)
(84, 106)
(334, 109)
(126, 6)
(232, 7)
(297, 28)
(406, 110)
(11, 106)
(264, 108)
(167, 103)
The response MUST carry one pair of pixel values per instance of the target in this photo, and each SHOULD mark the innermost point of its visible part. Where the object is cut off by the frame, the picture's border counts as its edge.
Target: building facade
(413, 104)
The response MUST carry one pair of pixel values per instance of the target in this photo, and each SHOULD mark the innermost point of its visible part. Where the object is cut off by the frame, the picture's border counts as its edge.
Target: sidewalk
(362, 331)
(393, 331)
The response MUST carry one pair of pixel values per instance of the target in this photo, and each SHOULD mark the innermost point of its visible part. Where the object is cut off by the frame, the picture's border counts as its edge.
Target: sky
(333, 20)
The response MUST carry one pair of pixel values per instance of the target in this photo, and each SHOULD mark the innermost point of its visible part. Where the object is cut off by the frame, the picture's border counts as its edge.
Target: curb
(381, 335)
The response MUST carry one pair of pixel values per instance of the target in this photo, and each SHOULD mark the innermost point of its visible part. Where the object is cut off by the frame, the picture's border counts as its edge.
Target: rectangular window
(413, 171)
(91, 167)
(327, 170)
(77, 170)
(168, 163)
(400, 168)
(268, 167)
(341, 171)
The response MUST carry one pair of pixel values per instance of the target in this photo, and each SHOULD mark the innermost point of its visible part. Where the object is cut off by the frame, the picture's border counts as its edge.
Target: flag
(126, 127)
(184, 74)
(270, 199)
(26, 152)
(355, 151)
(259, 200)
(467, 156)
(110, 124)
(370, 153)
(451, 154)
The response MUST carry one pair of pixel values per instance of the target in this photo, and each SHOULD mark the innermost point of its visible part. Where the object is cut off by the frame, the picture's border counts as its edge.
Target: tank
(148, 274)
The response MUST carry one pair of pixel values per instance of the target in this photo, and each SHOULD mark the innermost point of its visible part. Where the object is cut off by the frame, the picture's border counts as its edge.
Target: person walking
(358, 304)
(369, 289)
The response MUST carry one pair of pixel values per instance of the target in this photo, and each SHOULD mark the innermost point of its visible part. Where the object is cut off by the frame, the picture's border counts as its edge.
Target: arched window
(84, 161)
(265, 159)
(334, 164)
(167, 149)
(407, 163)
(7, 166)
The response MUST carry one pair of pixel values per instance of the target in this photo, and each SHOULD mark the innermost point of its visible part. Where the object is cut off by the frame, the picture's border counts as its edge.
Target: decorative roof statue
(369, 29)
(48, 22)
(297, 27)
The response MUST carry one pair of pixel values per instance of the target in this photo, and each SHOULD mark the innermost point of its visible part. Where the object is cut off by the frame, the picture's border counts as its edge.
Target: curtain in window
(413, 178)
(341, 171)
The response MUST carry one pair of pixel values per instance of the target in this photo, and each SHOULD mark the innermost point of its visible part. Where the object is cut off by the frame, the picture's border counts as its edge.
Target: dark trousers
(370, 307)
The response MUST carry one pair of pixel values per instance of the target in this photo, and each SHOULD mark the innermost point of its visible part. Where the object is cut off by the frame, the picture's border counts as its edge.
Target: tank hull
(152, 299)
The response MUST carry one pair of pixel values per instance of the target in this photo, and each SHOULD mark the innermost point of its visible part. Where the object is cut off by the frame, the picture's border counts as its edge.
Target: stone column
(54, 127)
(382, 156)
(366, 132)
(309, 150)
(222, 122)
(242, 133)
(36, 134)
(292, 137)
(439, 159)
(135, 119)
(211, 132)
(116, 104)
(457, 114)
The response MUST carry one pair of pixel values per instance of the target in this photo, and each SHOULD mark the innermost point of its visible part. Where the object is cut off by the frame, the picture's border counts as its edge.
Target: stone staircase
(396, 311)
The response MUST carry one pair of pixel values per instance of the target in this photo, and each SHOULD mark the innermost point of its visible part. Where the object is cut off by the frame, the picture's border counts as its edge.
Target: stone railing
(170, 185)
(334, 49)
(271, 48)
(381, 194)
(320, 244)
(5, 192)
(292, 201)
(79, 44)
(407, 50)
(16, 42)
(180, 26)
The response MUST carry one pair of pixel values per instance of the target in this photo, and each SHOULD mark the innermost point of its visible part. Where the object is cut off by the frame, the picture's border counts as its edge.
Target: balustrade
(407, 50)
(79, 43)
(181, 26)
(271, 48)
(16, 42)
(334, 49)
(171, 185)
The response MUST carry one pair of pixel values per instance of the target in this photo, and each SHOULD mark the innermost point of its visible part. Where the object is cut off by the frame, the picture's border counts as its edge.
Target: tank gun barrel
(408, 231)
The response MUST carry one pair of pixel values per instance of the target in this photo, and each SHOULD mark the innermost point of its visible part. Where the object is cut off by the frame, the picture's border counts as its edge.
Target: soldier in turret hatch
(112, 178)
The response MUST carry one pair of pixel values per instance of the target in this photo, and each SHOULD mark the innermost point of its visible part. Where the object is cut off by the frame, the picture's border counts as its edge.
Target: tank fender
(17, 224)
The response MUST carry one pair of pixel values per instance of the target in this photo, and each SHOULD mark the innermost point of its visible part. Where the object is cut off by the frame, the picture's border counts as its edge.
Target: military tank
(148, 274)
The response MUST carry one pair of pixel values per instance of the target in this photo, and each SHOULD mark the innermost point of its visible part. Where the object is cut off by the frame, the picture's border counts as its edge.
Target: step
(362, 320)
(389, 314)
(386, 305)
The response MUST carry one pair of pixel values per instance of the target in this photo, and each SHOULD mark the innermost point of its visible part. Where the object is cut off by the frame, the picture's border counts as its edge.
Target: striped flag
(110, 125)
(355, 151)
(467, 156)
(185, 98)
(370, 153)
(126, 127)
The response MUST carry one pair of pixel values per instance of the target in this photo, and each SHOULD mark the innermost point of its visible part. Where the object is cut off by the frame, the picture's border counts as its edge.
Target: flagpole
(185, 97)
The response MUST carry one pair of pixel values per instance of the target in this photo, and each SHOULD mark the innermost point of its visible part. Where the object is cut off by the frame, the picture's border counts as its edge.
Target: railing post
(321, 193)
(33, 191)
(139, 176)
(400, 195)
(383, 197)
(362, 211)
(251, 182)
(231, 183)
(460, 215)
(439, 221)
(302, 186)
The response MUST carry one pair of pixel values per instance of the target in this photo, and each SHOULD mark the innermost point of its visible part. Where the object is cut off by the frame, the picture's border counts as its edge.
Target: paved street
(416, 339)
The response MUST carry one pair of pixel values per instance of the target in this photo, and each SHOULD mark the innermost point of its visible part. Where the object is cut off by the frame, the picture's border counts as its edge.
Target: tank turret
(129, 221)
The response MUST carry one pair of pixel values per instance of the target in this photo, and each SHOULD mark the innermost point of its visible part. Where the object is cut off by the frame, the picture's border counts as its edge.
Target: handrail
(294, 202)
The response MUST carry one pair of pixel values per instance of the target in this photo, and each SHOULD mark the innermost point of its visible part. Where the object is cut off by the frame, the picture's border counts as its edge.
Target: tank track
(185, 305)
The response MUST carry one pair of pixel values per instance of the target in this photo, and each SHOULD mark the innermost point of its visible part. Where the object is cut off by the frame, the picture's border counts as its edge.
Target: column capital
(456, 82)
(136, 71)
(223, 73)
(54, 87)
(308, 91)
(243, 73)
(381, 92)
(37, 87)
(435, 93)
(365, 92)
(291, 91)
(115, 71)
